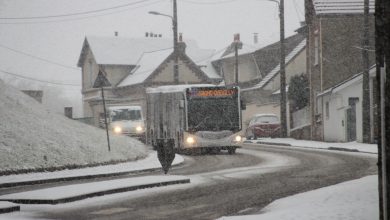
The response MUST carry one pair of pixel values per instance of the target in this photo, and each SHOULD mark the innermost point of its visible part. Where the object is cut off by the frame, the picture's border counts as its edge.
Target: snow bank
(353, 146)
(352, 200)
(33, 138)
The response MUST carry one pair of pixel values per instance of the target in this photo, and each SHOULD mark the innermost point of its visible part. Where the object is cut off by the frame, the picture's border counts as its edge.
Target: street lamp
(174, 28)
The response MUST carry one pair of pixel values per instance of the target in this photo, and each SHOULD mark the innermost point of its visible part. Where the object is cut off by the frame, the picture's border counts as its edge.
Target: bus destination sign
(212, 92)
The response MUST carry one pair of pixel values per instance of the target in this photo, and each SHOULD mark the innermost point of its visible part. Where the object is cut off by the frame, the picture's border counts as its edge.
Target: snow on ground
(367, 148)
(150, 162)
(352, 200)
(32, 137)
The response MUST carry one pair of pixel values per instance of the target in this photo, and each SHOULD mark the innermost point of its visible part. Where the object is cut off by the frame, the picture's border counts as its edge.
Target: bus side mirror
(181, 104)
(243, 105)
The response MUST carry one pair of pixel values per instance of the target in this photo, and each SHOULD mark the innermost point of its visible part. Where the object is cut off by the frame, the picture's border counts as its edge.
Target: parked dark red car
(263, 125)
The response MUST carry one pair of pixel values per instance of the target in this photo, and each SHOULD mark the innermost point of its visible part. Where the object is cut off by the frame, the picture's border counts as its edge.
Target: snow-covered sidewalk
(149, 163)
(74, 192)
(352, 200)
(350, 146)
(58, 194)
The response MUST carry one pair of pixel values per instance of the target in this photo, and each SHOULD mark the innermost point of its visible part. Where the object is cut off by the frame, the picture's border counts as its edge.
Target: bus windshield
(125, 115)
(213, 114)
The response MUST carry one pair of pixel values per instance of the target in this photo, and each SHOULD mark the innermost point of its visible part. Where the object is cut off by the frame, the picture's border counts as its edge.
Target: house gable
(189, 72)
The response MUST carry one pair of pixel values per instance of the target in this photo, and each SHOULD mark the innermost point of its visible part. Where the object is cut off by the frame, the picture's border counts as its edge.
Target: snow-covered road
(282, 172)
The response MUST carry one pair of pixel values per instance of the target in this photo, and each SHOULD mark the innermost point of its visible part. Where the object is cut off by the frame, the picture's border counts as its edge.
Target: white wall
(334, 128)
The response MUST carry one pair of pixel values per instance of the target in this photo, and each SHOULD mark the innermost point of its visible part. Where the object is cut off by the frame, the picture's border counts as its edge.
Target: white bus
(198, 118)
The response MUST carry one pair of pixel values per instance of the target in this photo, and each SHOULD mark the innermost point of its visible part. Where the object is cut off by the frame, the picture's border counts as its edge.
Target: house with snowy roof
(259, 72)
(132, 65)
(334, 48)
(343, 111)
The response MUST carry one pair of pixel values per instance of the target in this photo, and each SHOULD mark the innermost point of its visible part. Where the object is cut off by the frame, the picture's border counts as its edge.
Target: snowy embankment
(34, 139)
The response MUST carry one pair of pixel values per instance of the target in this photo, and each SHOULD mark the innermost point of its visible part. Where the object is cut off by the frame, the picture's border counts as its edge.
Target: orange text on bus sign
(216, 92)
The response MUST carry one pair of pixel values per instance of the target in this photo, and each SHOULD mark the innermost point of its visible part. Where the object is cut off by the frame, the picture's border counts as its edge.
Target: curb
(271, 143)
(95, 194)
(85, 177)
(343, 149)
(327, 148)
(15, 208)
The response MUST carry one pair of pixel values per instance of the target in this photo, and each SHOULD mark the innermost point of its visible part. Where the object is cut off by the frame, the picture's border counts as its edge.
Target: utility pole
(237, 44)
(366, 77)
(175, 49)
(283, 111)
(382, 52)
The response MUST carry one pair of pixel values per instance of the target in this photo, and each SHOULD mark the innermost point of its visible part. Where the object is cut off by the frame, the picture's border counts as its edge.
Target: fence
(300, 118)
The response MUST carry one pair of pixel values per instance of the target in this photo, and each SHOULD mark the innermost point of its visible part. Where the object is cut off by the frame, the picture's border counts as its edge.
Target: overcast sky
(211, 23)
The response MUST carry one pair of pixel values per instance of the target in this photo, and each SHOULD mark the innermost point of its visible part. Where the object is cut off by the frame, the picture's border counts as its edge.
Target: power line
(208, 3)
(82, 18)
(37, 80)
(73, 14)
(39, 58)
(66, 84)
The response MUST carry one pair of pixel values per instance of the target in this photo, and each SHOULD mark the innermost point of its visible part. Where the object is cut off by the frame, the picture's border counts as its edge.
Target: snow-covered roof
(144, 53)
(278, 91)
(323, 7)
(122, 51)
(350, 81)
(175, 88)
(276, 70)
(210, 70)
(148, 62)
(246, 49)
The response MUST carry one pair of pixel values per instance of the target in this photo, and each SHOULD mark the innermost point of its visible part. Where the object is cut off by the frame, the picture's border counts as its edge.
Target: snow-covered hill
(32, 138)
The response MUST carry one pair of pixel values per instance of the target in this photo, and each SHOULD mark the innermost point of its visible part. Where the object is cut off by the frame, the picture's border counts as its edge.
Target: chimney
(180, 37)
(181, 46)
(116, 33)
(236, 37)
(255, 38)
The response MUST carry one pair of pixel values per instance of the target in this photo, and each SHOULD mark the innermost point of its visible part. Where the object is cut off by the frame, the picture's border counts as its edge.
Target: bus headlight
(117, 130)
(238, 138)
(139, 128)
(190, 140)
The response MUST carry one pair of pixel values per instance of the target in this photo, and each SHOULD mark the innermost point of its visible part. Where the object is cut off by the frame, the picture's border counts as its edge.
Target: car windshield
(125, 114)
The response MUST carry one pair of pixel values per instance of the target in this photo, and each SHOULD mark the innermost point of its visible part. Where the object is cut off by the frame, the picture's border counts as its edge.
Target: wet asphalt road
(273, 173)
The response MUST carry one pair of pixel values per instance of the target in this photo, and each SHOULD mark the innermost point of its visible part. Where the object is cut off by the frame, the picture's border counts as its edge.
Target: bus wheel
(232, 150)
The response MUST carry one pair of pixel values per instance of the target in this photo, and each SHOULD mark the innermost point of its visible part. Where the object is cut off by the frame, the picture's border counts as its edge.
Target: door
(351, 119)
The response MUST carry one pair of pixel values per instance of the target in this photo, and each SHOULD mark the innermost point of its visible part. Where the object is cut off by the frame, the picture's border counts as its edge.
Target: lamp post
(174, 28)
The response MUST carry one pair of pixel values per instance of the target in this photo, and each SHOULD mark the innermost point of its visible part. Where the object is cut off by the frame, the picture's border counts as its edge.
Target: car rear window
(266, 119)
